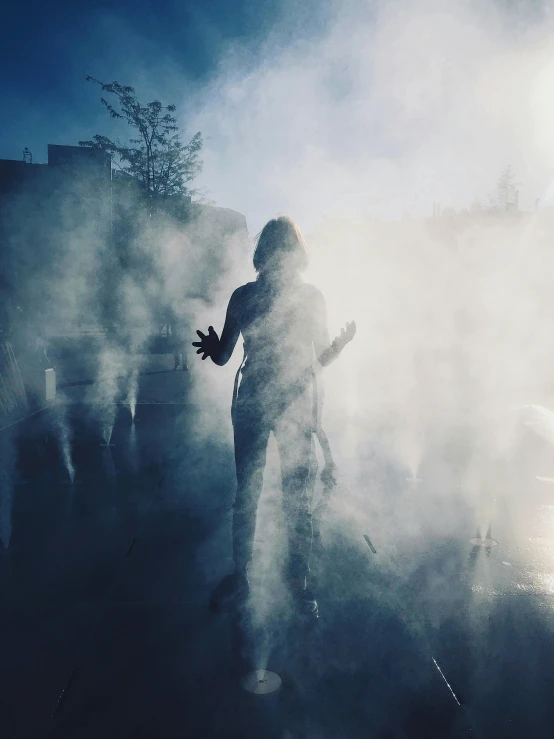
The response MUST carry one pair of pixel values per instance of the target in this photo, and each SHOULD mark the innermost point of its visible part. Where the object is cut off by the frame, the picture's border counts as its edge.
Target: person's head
(280, 248)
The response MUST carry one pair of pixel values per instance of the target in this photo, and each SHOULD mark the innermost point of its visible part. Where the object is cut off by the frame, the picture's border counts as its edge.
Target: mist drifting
(381, 128)
(356, 132)
(356, 129)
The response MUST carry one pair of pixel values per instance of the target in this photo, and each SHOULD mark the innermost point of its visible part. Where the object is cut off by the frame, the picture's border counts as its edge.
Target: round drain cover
(261, 682)
(478, 542)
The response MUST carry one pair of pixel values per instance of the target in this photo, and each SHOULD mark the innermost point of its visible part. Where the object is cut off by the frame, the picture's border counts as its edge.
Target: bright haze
(354, 118)
(356, 132)
(391, 106)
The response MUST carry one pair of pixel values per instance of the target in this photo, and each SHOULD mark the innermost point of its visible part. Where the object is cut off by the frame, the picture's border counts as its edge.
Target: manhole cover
(261, 682)
(478, 542)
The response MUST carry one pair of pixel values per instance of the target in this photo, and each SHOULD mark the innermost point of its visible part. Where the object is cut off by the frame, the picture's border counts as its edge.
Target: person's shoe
(233, 590)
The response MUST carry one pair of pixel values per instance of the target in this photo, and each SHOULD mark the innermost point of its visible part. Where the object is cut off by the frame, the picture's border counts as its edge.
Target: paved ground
(104, 620)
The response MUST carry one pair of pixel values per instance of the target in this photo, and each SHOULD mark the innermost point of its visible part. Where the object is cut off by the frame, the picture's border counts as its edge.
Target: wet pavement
(104, 620)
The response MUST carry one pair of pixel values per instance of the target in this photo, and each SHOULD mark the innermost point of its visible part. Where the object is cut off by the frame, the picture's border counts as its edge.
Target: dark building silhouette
(41, 207)
(56, 217)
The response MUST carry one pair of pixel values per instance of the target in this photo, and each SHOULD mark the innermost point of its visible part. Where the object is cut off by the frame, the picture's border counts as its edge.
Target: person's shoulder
(243, 291)
(241, 294)
(313, 292)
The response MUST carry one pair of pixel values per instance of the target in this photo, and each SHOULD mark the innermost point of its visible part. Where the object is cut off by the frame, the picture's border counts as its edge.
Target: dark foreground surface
(105, 629)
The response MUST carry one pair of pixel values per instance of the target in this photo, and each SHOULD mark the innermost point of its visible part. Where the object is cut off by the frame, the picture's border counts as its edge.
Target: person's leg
(295, 441)
(178, 345)
(251, 437)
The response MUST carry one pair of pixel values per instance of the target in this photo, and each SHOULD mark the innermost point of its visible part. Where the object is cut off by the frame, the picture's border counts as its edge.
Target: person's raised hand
(208, 344)
(346, 334)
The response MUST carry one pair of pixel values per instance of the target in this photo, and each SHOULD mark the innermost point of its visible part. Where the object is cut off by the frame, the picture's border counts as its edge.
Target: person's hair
(280, 247)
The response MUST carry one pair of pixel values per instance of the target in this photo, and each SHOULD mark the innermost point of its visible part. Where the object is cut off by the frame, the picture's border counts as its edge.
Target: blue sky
(359, 106)
(47, 48)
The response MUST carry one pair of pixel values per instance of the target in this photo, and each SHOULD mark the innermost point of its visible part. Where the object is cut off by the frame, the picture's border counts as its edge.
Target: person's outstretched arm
(325, 351)
(221, 349)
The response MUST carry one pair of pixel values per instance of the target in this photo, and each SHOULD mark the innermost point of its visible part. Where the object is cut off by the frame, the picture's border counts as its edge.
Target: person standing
(283, 322)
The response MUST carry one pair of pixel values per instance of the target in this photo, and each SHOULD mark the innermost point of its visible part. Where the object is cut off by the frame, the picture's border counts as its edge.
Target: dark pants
(253, 420)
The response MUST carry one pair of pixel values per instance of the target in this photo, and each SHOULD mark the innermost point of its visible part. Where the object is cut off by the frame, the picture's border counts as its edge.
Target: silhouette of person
(171, 322)
(282, 320)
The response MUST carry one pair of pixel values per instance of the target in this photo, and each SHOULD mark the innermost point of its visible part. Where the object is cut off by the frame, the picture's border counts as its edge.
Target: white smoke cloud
(392, 108)
(387, 109)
